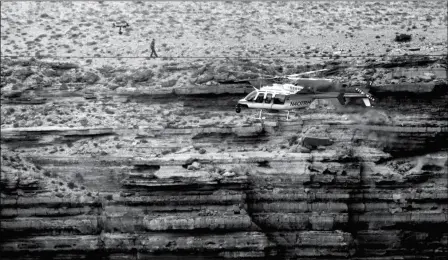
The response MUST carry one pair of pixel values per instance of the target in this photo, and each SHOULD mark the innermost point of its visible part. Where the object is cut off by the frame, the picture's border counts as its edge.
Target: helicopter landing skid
(259, 116)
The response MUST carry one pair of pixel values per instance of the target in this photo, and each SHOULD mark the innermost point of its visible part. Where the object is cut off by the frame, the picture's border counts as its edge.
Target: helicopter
(301, 93)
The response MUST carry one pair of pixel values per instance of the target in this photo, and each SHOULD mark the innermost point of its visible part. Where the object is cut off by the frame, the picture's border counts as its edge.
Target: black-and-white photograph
(224, 130)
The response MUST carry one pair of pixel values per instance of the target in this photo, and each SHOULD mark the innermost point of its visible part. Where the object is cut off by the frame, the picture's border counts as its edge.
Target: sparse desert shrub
(106, 70)
(292, 140)
(84, 122)
(121, 79)
(71, 185)
(79, 177)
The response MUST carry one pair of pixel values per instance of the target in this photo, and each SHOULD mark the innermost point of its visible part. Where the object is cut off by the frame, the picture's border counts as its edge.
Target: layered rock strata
(127, 173)
(346, 201)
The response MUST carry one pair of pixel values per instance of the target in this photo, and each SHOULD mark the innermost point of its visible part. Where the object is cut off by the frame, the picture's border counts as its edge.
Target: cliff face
(110, 157)
(156, 173)
(316, 190)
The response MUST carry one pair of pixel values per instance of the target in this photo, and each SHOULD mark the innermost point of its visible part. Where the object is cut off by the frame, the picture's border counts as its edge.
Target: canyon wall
(331, 189)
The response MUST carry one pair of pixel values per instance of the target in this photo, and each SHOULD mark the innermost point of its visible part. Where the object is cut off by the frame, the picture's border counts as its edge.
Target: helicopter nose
(238, 108)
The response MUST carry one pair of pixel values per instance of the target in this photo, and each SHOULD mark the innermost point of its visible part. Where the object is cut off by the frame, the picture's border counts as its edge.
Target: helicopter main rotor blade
(305, 73)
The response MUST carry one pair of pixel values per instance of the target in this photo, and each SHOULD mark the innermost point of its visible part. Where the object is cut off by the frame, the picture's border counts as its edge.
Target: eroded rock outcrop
(354, 184)
(302, 205)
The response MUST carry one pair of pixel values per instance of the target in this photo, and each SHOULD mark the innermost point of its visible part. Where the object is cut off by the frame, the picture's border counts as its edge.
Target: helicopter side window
(268, 98)
(259, 98)
(279, 99)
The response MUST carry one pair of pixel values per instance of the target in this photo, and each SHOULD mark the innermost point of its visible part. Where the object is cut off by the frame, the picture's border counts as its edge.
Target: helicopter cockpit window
(251, 96)
(259, 98)
(279, 99)
(268, 98)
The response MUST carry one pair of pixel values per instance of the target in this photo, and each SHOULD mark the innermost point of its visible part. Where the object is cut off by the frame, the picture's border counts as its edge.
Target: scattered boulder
(321, 148)
(198, 72)
(403, 37)
(304, 150)
(109, 111)
(90, 78)
(63, 87)
(142, 75)
(66, 78)
(169, 83)
(121, 79)
(228, 174)
(194, 166)
(5, 72)
(426, 77)
(63, 66)
(192, 80)
(23, 74)
(204, 78)
(107, 71)
(12, 94)
(221, 77)
(52, 73)
(314, 142)
(112, 86)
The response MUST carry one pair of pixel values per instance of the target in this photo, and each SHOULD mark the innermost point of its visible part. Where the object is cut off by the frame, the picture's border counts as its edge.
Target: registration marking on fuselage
(299, 103)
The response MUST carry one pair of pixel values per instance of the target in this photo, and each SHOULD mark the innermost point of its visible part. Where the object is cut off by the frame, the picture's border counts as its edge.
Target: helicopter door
(278, 101)
(259, 98)
(268, 100)
(259, 101)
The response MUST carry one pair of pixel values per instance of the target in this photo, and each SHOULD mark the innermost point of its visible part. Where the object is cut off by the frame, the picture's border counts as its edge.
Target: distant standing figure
(153, 50)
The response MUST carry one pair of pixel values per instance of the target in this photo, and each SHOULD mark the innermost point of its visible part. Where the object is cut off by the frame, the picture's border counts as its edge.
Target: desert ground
(108, 152)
